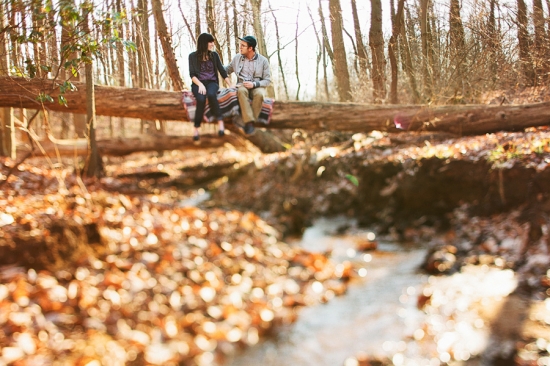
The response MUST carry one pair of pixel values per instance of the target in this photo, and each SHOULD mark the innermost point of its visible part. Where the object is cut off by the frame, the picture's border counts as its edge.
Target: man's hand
(248, 84)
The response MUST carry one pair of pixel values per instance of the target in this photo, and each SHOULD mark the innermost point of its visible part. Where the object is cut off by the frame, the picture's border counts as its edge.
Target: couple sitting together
(253, 76)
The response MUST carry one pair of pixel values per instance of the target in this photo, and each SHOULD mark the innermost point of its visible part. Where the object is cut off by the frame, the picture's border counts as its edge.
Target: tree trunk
(457, 50)
(257, 24)
(327, 47)
(280, 61)
(296, 58)
(70, 58)
(94, 166)
(7, 126)
(191, 34)
(259, 33)
(426, 50)
(523, 43)
(319, 55)
(235, 28)
(126, 146)
(197, 19)
(227, 30)
(211, 22)
(157, 104)
(166, 43)
(340, 56)
(376, 41)
(407, 60)
(492, 42)
(540, 46)
(361, 50)
(396, 24)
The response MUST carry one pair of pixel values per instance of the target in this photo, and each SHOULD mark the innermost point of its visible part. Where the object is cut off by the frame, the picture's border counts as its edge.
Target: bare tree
(326, 41)
(279, 60)
(235, 26)
(492, 42)
(166, 43)
(361, 49)
(93, 167)
(296, 58)
(523, 42)
(376, 41)
(191, 34)
(319, 55)
(257, 25)
(197, 19)
(457, 49)
(340, 59)
(540, 46)
(426, 49)
(211, 22)
(406, 59)
(396, 25)
(7, 127)
(227, 30)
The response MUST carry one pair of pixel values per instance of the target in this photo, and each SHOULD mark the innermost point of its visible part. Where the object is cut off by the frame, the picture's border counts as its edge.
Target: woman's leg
(199, 111)
(212, 93)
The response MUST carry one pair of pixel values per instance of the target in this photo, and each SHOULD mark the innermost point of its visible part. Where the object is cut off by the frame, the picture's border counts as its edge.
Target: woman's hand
(202, 89)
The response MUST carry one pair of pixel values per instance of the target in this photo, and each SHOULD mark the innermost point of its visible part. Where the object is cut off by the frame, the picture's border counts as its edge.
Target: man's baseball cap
(251, 40)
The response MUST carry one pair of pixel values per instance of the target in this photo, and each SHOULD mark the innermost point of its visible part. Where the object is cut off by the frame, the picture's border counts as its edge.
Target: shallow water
(371, 317)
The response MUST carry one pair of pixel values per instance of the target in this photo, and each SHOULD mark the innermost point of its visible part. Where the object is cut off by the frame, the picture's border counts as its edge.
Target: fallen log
(126, 146)
(353, 117)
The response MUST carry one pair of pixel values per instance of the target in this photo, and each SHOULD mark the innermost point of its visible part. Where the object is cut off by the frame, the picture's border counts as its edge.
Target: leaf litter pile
(114, 279)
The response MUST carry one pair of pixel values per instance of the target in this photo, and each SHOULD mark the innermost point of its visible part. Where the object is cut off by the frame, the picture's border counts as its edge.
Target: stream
(372, 316)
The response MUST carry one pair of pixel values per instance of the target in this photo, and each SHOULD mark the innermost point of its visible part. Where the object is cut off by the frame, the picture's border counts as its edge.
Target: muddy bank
(396, 181)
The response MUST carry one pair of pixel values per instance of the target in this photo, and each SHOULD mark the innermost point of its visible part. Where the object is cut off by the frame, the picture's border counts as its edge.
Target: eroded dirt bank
(397, 181)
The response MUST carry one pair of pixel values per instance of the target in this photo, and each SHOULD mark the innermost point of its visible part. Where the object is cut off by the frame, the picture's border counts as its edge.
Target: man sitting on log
(253, 77)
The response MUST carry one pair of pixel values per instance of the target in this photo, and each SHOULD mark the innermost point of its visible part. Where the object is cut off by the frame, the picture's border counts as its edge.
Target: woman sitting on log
(204, 65)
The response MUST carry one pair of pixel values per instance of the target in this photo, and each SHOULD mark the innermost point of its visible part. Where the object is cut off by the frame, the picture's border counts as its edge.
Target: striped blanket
(229, 106)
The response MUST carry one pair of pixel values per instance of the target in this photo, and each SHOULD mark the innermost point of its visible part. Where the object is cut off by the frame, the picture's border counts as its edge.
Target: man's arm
(266, 75)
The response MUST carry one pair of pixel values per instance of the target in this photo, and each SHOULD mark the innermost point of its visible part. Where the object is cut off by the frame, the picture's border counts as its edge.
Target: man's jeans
(257, 95)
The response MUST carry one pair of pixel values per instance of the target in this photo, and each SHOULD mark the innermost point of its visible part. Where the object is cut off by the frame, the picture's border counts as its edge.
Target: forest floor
(132, 269)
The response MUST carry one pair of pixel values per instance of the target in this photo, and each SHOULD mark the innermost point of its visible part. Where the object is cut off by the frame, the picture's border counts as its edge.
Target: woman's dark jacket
(195, 69)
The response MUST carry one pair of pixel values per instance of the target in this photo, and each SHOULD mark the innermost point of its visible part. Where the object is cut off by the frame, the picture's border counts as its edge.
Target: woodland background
(426, 51)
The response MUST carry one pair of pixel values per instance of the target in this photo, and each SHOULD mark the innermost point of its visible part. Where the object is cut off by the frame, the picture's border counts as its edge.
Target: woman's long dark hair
(202, 47)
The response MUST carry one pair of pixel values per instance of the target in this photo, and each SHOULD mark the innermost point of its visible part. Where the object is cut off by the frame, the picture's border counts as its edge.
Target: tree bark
(280, 61)
(257, 25)
(492, 42)
(376, 41)
(94, 166)
(211, 22)
(407, 61)
(523, 43)
(396, 25)
(7, 126)
(296, 58)
(197, 19)
(166, 43)
(457, 50)
(340, 57)
(235, 27)
(540, 46)
(227, 30)
(327, 51)
(361, 49)
(427, 67)
(143, 103)
(126, 146)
